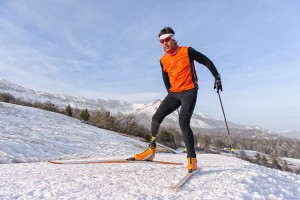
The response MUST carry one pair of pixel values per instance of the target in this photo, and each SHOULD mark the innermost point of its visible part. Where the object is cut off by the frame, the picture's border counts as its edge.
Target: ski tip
(173, 188)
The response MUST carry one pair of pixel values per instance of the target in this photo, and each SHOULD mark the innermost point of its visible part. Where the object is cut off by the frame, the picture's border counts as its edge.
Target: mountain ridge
(144, 112)
(114, 106)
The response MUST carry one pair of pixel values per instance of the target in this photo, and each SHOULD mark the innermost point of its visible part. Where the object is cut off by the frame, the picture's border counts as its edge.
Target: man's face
(167, 43)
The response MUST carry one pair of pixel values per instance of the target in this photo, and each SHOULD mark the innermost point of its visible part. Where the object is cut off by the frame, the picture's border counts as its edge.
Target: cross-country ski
(115, 161)
(187, 177)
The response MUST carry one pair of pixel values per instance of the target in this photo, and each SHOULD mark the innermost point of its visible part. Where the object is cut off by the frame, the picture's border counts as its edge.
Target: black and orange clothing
(181, 82)
(179, 72)
(187, 100)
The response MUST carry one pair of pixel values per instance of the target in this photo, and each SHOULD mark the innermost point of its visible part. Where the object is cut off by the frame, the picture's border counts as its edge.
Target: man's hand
(218, 84)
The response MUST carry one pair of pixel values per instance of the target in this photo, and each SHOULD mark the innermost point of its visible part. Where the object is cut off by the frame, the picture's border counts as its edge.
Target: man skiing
(180, 78)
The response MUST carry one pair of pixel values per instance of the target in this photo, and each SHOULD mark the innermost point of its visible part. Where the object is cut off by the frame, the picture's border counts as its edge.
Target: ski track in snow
(31, 136)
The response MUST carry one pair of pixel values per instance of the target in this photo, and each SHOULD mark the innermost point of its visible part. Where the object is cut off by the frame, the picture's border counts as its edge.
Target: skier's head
(166, 30)
(167, 33)
(167, 38)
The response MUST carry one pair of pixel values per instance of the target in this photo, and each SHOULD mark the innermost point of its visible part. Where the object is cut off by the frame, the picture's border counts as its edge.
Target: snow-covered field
(29, 137)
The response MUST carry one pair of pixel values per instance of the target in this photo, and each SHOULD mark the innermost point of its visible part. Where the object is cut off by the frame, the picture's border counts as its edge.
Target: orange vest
(181, 71)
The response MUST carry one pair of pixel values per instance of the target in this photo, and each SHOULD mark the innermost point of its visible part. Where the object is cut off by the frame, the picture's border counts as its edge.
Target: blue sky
(110, 50)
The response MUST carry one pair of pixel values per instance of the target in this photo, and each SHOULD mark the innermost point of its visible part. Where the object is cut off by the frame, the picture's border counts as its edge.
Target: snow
(199, 123)
(29, 137)
(292, 163)
(293, 160)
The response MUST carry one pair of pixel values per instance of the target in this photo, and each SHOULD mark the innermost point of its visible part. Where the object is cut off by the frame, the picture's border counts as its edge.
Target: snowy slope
(28, 135)
(31, 135)
(143, 111)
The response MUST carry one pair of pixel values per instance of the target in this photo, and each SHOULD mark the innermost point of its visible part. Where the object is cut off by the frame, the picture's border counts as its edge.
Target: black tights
(187, 101)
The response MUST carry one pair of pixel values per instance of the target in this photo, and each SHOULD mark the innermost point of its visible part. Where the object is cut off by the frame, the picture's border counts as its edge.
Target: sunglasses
(167, 39)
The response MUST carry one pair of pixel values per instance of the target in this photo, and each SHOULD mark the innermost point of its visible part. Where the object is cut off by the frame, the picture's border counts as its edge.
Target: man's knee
(184, 122)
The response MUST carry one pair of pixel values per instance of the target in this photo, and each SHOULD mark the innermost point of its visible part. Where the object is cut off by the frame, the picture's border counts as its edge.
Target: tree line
(268, 153)
(281, 147)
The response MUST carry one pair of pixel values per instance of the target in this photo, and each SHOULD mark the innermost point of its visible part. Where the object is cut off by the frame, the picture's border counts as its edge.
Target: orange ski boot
(148, 154)
(191, 164)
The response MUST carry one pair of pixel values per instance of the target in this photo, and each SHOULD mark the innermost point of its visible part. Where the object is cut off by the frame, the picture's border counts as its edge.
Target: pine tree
(85, 115)
(264, 160)
(275, 164)
(69, 111)
(166, 137)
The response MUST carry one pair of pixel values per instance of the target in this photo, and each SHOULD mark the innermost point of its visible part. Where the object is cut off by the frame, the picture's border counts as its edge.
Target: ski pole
(232, 149)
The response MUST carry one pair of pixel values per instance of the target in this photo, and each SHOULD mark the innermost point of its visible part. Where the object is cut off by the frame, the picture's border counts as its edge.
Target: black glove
(218, 84)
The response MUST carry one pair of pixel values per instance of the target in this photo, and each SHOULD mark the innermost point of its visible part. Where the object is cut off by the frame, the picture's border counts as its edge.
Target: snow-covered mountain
(198, 120)
(144, 112)
(62, 100)
(29, 137)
